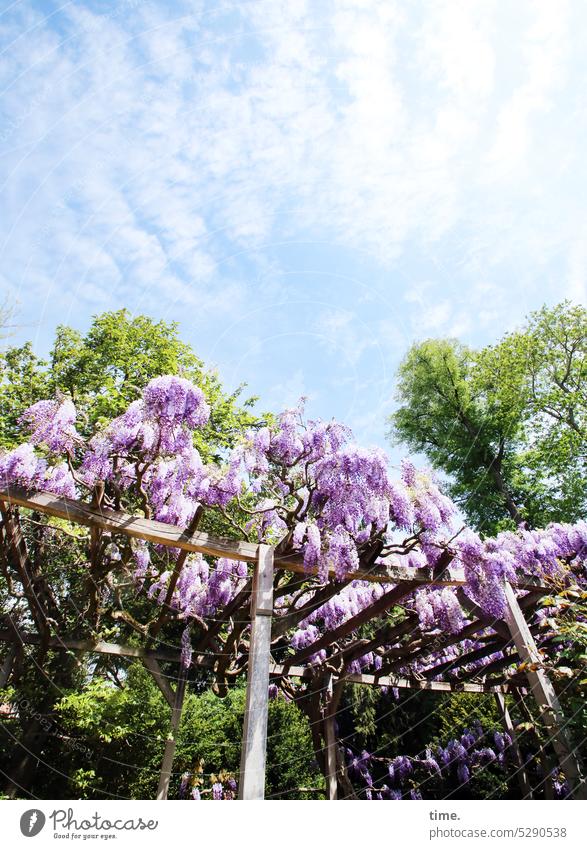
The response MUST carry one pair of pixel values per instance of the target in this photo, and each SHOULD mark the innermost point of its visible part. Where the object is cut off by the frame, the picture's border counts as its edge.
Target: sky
(307, 187)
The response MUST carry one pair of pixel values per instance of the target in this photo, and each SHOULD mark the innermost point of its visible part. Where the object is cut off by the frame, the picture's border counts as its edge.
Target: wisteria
(350, 523)
(417, 777)
(223, 787)
(303, 486)
(450, 769)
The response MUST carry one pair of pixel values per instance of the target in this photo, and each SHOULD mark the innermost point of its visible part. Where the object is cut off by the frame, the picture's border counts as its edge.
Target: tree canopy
(505, 424)
(334, 509)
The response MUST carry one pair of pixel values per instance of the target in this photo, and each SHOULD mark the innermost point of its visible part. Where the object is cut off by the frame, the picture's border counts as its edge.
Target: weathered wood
(101, 647)
(464, 659)
(289, 620)
(387, 634)
(98, 647)
(433, 644)
(544, 694)
(330, 743)
(277, 670)
(508, 725)
(132, 526)
(387, 571)
(383, 603)
(254, 745)
(166, 766)
(151, 664)
(474, 610)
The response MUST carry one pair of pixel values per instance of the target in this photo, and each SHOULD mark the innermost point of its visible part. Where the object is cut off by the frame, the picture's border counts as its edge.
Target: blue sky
(306, 187)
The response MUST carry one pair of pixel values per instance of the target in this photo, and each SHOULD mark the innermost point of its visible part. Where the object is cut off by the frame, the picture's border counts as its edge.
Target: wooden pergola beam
(275, 670)
(278, 670)
(464, 659)
(383, 603)
(544, 694)
(98, 647)
(171, 536)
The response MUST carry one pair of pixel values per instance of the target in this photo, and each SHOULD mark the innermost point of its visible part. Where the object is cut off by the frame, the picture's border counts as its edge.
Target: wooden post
(254, 745)
(330, 743)
(544, 693)
(162, 682)
(506, 719)
(169, 752)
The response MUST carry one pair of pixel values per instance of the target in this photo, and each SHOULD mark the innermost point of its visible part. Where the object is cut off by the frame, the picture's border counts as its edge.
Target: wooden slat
(464, 659)
(435, 643)
(474, 610)
(374, 680)
(387, 634)
(174, 537)
(383, 603)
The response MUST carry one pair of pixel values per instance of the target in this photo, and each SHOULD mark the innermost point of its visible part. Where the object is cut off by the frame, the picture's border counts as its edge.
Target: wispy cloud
(207, 161)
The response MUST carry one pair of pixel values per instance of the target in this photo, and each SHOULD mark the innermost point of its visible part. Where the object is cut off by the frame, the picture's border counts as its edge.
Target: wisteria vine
(302, 485)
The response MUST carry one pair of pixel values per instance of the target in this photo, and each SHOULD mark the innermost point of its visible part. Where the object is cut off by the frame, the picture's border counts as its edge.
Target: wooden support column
(506, 719)
(544, 693)
(254, 745)
(330, 743)
(164, 778)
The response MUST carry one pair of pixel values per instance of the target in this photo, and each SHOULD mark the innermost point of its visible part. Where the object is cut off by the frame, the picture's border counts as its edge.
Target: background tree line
(504, 426)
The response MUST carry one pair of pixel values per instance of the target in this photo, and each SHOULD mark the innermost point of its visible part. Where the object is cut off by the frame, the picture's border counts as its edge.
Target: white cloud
(173, 149)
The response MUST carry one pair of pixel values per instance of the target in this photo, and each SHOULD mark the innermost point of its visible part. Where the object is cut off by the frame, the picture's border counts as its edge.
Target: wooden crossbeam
(99, 647)
(508, 659)
(174, 537)
(374, 680)
(132, 526)
(464, 659)
(383, 603)
(276, 670)
(387, 634)
(545, 695)
(436, 643)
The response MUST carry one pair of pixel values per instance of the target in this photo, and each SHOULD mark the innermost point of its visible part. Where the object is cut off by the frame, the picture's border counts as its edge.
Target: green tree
(102, 372)
(505, 424)
(107, 368)
(114, 736)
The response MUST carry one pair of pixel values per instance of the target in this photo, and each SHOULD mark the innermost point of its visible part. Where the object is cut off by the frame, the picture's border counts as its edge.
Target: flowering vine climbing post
(254, 745)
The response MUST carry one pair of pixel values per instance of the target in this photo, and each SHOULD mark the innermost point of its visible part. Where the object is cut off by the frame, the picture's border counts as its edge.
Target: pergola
(273, 573)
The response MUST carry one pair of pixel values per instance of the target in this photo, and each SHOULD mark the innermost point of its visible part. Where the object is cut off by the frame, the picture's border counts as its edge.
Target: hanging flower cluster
(303, 484)
(405, 777)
